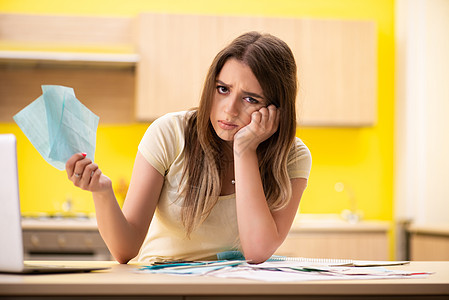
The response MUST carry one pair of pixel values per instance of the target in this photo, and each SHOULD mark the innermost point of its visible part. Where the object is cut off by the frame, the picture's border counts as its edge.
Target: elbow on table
(259, 250)
(122, 261)
(257, 257)
(123, 258)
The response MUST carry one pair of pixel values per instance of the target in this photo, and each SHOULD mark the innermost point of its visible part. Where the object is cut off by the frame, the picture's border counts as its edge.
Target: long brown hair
(273, 64)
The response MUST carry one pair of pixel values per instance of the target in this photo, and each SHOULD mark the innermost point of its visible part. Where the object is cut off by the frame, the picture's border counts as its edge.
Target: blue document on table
(190, 268)
(59, 125)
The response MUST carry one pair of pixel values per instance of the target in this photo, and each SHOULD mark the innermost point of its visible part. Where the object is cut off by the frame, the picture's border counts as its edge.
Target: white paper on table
(267, 272)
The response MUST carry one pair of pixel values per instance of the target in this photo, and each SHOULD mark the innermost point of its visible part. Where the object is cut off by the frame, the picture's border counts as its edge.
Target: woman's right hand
(86, 175)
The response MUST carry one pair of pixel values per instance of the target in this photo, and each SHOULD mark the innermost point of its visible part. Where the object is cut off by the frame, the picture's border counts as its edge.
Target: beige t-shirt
(163, 147)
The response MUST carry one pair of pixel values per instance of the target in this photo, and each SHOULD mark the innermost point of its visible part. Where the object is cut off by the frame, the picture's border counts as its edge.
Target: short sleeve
(299, 161)
(161, 143)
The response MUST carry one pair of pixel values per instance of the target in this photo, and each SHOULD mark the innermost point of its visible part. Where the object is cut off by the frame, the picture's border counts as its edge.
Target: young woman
(228, 175)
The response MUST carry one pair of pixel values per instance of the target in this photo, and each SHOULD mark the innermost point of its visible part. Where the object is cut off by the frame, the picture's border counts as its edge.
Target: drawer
(62, 240)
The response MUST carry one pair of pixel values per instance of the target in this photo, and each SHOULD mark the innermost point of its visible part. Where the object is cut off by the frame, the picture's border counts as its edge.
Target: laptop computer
(11, 251)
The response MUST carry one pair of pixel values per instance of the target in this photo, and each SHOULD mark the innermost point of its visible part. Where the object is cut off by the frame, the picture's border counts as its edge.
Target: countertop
(60, 223)
(334, 222)
(125, 281)
(303, 222)
(428, 228)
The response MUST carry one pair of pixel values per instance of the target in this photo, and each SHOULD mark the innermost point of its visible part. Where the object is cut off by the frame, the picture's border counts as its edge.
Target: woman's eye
(222, 89)
(251, 100)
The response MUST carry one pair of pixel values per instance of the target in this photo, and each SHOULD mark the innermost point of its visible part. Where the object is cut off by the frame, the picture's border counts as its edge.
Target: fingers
(264, 123)
(70, 164)
(80, 166)
(266, 117)
(96, 175)
(256, 117)
(273, 113)
(86, 178)
(82, 171)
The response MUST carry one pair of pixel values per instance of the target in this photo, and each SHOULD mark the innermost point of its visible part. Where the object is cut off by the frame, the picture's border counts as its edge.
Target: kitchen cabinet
(63, 239)
(336, 59)
(429, 242)
(106, 91)
(335, 238)
(94, 55)
(126, 69)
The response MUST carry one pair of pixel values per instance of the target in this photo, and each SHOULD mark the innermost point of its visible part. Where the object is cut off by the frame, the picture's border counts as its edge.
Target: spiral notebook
(334, 262)
(339, 262)
(324, 261)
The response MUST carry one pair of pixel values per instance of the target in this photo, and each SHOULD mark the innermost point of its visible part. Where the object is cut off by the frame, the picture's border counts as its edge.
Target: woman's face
(237, 95)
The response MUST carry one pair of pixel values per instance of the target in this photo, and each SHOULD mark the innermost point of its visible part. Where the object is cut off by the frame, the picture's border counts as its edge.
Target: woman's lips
(226, 125)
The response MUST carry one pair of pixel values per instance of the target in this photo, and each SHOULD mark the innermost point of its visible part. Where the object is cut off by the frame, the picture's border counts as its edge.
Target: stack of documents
(286, 270)
(190, 268)
(297, 271)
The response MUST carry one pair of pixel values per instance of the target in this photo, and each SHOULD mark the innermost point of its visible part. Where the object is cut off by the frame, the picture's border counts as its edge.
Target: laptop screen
(11, 251)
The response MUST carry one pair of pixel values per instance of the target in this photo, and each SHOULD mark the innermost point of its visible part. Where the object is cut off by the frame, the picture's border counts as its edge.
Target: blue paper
(193, 268)
(59, 125)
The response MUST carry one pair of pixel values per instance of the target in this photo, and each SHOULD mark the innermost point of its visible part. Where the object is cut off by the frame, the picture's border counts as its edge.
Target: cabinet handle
(34, 240)
(62, 241)
(88, 242)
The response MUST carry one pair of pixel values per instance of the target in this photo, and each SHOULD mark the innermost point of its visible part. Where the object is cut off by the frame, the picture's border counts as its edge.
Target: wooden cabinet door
(336, 63)
(345, 245)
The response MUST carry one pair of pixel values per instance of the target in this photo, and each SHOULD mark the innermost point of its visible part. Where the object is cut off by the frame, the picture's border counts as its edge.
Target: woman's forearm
(119, 235)
(258, 231)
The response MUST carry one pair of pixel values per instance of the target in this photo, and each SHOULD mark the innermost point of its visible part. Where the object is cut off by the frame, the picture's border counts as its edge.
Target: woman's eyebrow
(222, 83)
(254, 95)
(251, 94)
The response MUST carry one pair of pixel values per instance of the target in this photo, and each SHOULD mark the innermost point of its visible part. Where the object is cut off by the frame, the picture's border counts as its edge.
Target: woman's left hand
(264, 124)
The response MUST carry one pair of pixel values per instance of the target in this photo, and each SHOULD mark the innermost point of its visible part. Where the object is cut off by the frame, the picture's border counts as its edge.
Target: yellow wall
(362, 158)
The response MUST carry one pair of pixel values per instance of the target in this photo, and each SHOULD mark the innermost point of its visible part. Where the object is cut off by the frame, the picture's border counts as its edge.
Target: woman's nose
(232, 105)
